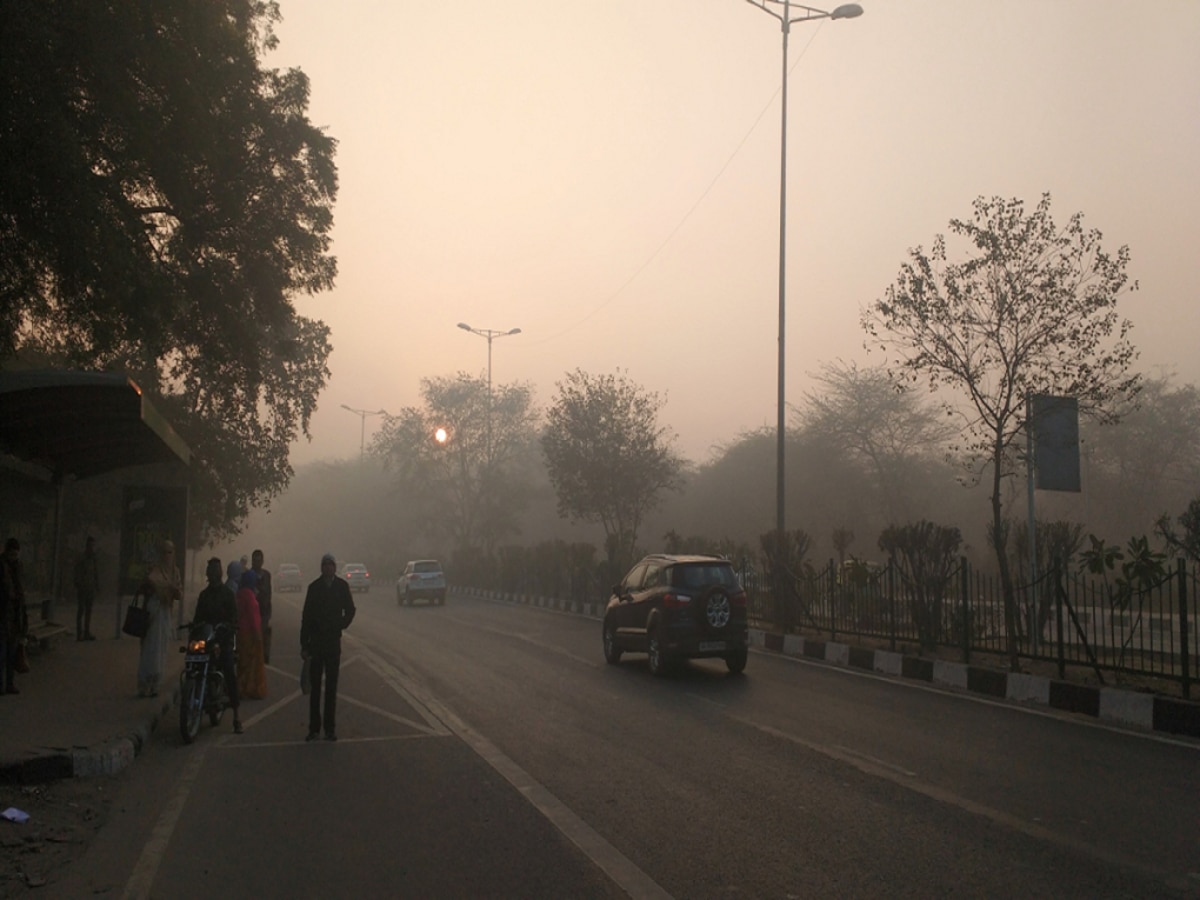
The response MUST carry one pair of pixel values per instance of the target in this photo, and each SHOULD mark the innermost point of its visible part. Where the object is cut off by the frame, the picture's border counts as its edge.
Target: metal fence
(1066, 618)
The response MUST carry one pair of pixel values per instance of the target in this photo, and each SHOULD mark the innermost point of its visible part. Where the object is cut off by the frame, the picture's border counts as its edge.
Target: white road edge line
(612, 862)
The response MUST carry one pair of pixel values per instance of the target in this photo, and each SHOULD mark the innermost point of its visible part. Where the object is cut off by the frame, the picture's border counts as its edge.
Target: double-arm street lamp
(491, 334)
(362, 415)
(788, 13)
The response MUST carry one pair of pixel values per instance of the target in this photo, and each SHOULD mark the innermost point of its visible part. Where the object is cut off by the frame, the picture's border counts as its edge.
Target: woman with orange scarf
(252, 672)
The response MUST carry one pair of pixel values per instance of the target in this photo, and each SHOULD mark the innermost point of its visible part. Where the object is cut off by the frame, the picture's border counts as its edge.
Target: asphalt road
(488, 751)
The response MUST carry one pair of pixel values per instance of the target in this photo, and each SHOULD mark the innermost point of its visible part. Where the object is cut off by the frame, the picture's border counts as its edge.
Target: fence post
(964, 582)
(1181, 568)
(891, 592)
(1059, 591)
(832, 594)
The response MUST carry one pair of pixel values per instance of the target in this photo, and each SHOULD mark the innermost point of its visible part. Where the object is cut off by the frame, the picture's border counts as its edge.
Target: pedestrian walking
(14, 620)
(87, 586)
(262, 588)
(164, 590)
(328, 610)
(252, 676)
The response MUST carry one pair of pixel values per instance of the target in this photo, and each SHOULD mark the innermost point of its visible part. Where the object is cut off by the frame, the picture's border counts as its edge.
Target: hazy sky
(605, 176)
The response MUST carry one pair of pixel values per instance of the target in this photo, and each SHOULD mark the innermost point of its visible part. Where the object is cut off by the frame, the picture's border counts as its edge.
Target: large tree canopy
(1030, 309)
(608, 457)
(163, 197)
(470, 485)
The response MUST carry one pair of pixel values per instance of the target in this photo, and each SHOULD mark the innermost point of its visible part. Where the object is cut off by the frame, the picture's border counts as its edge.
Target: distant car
(288, 578)
(673, 607)
(357, 575)
(423, 579)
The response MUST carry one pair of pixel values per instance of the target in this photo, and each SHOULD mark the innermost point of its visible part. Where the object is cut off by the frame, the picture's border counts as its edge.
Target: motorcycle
(202, 682)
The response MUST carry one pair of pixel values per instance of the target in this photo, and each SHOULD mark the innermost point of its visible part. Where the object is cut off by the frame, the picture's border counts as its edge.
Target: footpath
(78, 712)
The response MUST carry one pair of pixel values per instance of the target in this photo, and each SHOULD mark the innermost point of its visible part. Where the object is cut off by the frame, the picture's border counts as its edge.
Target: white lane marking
(258, 745)
(439, 731)
(899, 770)
(142, 880)
(941, 795)
(623, 872)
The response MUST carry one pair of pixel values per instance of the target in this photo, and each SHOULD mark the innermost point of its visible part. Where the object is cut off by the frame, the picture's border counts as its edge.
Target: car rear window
(701, 575)
(427, 567)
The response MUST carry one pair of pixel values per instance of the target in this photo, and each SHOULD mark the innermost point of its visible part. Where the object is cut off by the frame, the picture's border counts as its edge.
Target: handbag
(137, 619)
(306, 677)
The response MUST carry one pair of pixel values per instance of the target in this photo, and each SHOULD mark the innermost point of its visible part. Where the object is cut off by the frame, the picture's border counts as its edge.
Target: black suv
(678, 607)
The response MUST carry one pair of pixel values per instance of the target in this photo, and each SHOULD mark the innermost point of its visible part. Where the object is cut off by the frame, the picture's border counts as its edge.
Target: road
(488, 751)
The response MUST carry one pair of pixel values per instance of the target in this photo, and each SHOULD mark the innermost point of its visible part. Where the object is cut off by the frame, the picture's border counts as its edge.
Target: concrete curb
(1151, 712)
(112, 756)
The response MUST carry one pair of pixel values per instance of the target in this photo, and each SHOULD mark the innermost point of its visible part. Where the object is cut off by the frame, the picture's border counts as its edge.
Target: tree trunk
(1000, 543)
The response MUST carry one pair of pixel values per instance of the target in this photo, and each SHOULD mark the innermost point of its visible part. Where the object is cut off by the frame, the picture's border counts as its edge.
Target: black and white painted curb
(1136, 709)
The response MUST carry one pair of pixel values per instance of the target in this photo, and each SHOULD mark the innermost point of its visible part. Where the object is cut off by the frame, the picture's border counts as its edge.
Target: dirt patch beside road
(64, 817)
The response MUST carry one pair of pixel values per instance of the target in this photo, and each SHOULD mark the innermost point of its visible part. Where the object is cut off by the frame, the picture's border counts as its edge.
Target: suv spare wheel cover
(716, 607)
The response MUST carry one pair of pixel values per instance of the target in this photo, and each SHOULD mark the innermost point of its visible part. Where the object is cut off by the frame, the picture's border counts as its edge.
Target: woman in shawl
(164, 590)
(252, 672)
(234, 581)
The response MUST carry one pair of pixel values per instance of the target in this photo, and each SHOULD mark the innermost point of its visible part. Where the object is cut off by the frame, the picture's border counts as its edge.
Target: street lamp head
(344, 406)
(464, 326)
(515, 331)
(847, 11)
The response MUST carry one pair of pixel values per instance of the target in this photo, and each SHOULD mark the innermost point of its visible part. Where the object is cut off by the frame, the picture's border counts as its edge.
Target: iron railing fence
(1065, 617)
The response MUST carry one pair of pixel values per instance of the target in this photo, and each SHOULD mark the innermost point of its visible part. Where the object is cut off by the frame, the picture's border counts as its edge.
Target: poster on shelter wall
(1055, 423)
(150, 515)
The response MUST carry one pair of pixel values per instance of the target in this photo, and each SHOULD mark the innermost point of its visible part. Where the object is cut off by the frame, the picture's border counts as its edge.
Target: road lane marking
(258, 745)
(619, 868)
(890, 773)
(558, 649)
(438, 732)
(142, 880)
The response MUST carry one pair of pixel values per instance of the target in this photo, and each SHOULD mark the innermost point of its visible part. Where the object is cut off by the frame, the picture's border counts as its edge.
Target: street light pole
(782, 10)
(362, 435)
(490, 334)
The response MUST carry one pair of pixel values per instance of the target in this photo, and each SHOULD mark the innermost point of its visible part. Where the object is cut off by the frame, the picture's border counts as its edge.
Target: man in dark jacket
(328, 609)
(215, 606)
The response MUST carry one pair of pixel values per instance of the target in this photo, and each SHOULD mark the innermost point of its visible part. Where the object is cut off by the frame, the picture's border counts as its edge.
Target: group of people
(245, 598)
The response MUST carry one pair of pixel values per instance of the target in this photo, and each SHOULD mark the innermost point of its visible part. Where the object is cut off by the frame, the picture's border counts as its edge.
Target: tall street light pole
(491, 334)
(783, 11)
(362, 415)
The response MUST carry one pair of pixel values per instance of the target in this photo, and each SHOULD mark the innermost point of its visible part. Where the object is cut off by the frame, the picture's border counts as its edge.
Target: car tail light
(671, 600)
(738, 599)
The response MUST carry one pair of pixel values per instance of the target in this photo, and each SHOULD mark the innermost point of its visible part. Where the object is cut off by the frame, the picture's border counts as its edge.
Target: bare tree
(868, 417)
(1030, 310)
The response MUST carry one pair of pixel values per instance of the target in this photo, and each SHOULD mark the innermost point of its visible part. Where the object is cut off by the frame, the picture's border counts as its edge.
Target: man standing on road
(328, 609)
(87, 586)
(263, 590)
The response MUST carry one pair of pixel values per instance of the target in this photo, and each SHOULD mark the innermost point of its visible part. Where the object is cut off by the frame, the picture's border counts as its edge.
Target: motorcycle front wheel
(191, 708)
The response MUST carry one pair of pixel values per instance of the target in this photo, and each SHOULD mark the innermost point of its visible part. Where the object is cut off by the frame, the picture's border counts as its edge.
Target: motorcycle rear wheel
(190, 709)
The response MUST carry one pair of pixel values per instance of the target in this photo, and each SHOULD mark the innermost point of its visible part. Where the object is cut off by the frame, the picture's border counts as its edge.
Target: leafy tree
(608, 457)
(926, 557)
(163, 198)
(1187, 541)
(889, 431)
(1031, 310)
(454, 485)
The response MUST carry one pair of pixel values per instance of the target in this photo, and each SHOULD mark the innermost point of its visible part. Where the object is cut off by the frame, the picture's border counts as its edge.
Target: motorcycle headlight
(197, 647)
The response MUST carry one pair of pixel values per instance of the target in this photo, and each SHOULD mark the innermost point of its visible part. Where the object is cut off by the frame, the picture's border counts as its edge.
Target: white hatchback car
(422, 579)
